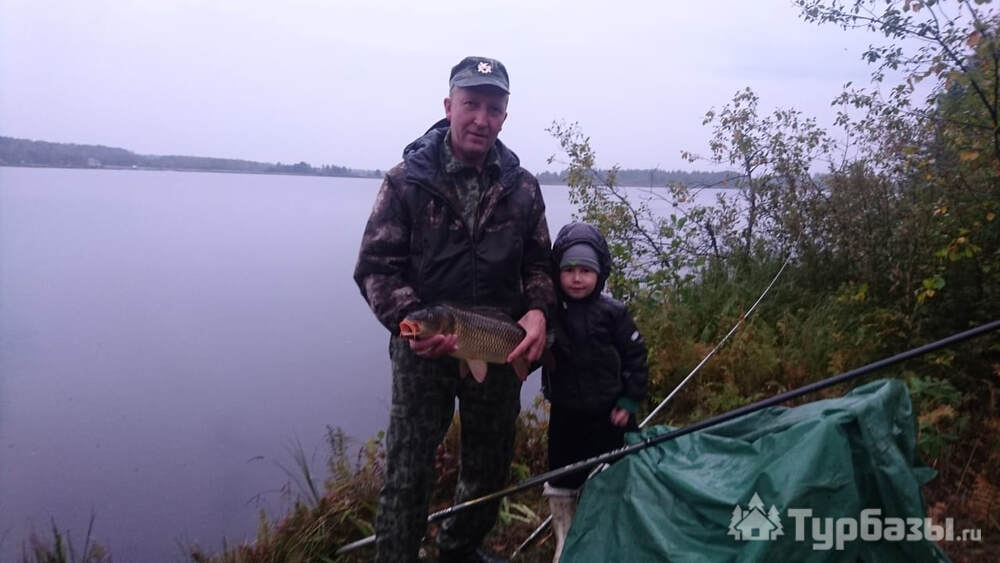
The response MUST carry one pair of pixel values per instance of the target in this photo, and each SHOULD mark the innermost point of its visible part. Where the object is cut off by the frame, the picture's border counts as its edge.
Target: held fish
(482, 338)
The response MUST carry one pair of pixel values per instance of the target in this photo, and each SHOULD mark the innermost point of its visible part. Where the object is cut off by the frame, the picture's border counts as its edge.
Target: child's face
(577, 281)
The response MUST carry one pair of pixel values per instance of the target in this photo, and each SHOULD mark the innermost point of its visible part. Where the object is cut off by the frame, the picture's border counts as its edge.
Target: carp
(482, 338)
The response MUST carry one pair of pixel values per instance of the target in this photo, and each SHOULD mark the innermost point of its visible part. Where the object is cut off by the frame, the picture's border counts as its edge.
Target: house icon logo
(753, 524)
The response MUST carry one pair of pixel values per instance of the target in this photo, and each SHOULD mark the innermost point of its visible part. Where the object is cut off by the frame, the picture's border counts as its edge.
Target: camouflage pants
(423, 403)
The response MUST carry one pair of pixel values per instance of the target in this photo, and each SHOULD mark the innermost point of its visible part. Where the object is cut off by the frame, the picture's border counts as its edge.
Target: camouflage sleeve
(536, 265)
(382, 271)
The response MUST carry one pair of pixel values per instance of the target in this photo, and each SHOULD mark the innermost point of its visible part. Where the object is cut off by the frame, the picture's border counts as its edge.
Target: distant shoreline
(45, 154)
(211, 170)
(544, 181)
(27, 153)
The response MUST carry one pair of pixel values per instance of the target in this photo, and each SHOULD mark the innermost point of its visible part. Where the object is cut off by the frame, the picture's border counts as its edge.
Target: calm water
(166, 336)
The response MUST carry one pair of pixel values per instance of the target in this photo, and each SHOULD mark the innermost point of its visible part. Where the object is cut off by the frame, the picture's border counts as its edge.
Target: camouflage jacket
(417, 249)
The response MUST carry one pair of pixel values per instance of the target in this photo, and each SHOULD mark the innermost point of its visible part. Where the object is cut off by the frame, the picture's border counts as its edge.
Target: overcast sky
(351, 82)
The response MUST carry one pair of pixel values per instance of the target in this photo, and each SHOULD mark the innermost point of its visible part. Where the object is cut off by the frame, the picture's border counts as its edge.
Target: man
(458, 222)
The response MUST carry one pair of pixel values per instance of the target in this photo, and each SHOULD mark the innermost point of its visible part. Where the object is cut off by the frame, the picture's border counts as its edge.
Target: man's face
(476, 115)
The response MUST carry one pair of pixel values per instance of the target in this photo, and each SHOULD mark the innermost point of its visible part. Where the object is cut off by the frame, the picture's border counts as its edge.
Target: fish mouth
(409, 329)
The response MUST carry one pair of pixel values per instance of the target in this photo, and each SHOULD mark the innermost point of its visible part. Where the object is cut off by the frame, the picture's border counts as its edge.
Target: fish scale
(485, 338)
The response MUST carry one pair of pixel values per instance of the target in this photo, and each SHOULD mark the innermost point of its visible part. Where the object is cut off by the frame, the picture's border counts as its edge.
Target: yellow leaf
(966, 156)
(991, 216)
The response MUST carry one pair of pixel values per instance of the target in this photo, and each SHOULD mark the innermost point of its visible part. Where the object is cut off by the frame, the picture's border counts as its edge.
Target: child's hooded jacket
(600, 357)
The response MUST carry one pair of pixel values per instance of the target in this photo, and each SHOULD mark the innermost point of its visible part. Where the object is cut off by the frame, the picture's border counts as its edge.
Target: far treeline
(653, 178)
(25, 152)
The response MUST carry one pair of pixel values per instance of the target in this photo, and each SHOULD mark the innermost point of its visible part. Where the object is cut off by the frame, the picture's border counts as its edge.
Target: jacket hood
(423, 157)
(575, 233)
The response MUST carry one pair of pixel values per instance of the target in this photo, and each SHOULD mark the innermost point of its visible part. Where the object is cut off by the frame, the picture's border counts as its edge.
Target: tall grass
(345, 510)
(60, 548)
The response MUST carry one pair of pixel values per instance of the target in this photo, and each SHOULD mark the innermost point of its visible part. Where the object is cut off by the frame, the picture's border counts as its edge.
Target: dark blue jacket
(600, 357)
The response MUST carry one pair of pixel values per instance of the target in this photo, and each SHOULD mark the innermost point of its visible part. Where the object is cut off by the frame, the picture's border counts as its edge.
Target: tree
(940, 155)
(648, 250)
(957, 47)
(774, 155)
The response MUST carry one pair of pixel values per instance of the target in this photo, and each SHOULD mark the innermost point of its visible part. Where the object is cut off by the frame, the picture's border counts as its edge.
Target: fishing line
(736, 326)
(615, 455)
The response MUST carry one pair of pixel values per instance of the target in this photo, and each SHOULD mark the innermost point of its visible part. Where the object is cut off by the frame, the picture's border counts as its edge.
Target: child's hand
(619, 416)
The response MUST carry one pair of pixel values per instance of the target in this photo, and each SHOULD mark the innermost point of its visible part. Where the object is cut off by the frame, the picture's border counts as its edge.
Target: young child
(599, 374)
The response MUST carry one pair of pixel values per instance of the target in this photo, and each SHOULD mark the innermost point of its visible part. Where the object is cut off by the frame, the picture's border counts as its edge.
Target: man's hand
(533, 345)
(434, 346)
(619, 416)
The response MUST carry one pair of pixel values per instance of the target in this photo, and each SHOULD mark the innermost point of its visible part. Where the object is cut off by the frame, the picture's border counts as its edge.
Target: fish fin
(478, 369)
(521, 368)
(463, 369)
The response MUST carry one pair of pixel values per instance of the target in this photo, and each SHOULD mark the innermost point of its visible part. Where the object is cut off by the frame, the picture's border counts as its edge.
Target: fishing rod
(736, 326)
(615, 455)
(548, 519)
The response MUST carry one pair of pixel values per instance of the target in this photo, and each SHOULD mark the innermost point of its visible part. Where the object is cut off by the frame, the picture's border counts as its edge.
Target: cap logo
(485, 68)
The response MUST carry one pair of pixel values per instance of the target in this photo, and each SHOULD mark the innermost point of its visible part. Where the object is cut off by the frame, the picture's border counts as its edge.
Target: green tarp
(693, 498)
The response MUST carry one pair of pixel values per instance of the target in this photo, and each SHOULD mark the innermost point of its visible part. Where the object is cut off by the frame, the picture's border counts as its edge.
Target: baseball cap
(479, 71)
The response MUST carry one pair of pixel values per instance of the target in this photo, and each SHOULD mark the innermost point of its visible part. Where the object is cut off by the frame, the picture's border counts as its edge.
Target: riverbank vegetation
(892, 225)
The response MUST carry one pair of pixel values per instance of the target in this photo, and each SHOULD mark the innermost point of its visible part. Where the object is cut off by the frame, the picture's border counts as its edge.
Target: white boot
(562, 505)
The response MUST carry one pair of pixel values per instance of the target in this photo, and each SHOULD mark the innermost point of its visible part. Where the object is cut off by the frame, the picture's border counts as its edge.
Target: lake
(166, 337)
